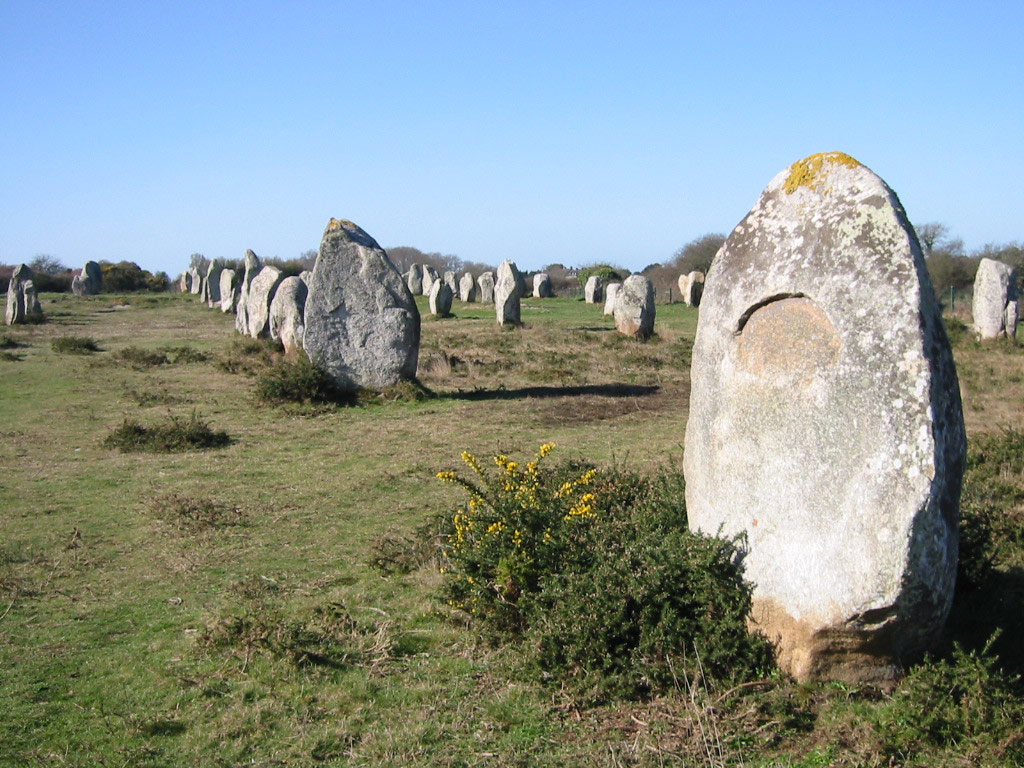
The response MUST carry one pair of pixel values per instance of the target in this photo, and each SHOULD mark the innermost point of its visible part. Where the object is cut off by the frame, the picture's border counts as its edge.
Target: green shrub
(606, 272)
(185, 354)
(249, 356)
(598, 572)
(74, 345)
(966, 702)
(9, 342)
(299, 381)
(137, 357)
(173, 435)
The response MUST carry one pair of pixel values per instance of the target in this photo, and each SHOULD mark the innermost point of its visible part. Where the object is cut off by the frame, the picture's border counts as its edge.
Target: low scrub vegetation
(74, 345)
(174, 434)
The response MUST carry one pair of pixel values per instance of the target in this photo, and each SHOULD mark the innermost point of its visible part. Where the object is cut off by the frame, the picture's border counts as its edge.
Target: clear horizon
(574, 134)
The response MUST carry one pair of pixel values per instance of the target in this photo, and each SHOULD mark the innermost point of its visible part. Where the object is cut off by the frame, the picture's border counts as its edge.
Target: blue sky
(542, 132)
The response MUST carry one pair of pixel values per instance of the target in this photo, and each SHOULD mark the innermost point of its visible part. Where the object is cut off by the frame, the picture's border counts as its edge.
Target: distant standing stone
(825, 423)
(228, 291)
(485, 288)
(429, 276)
(451, 282)
(542, 286)
(362, 324)
(440, 299)
(212, 286)
(693, 289)
(261, 294)
(195, 281)
(467, 288)
(610, 294)
(593, 291)
(21, 298)
(634, 307)
(89, 281)
(286, 315)
(995, 300)
(252, 267)
(415, 280)
(506, 294)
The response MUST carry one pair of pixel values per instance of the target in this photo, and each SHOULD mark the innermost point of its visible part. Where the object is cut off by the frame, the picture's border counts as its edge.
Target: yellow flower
(472, 462)
(517, 537)
(446, 477)
(511, 467)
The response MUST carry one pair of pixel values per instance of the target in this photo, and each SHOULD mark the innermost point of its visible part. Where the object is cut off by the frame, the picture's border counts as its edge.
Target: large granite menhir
(361, 321)
(825, 423)
(22, 300)
(507, 290)
(286, 315)
(89, 281)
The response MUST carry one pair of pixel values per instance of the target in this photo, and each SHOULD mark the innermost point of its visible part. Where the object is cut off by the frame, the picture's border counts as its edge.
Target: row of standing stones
(23, 304)
(825, 427)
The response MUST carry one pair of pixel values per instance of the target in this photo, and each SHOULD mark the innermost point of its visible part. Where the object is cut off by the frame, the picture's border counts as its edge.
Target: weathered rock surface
(506, 294)
(634, 307)
(89, 281)
(440, 298)
(195, 281)
(228, 291)
(485, 288)
(542, 286)
(414, 281)
(995, 300)
(611, 291)
(22, 301)
(362, 324)
(261, 294)
(252, 267)
(451, 282)
(825, 423)
(286, 314)
(467, 288)
(211, 287)
(593, 291)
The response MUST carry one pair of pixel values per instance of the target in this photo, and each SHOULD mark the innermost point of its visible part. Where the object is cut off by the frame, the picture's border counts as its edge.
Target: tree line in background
(950, 265)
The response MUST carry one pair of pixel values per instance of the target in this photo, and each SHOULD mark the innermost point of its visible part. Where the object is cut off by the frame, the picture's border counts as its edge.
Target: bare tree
(46, 264)
(930, 235)
(698, 253)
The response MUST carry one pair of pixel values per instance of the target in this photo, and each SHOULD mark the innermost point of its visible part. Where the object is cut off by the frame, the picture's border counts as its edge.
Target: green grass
(274, 601)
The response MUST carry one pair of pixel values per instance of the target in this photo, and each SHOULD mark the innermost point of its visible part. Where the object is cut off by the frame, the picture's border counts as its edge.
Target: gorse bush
(249, 356)
(175, 434)
(74, 345)
(299, 381)
(598, 572)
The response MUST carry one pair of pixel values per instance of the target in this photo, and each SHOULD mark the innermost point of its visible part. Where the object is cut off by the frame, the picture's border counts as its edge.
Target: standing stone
(261, 294)
(506, 294)
(33, 309)
(485, 288)
(252, 267)
(611, 291)
(415, 280)
(451, 282)
(693, 289)
(185, 282)
(995, 300)
(89, 281)
(286, 315)
(429, 276)
(825, 423)
(542, 286)
(17, 311)
(634, 307)
(593, 290)
(212, 285)
(440, 299)
(362, 324)
(467, 288)
(195, 281)
(228, 291)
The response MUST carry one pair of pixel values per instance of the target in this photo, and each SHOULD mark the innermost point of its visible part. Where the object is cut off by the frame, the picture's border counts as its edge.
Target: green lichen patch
(805, 173)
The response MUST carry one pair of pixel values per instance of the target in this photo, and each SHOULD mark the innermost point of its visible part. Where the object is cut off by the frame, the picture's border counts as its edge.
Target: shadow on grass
(994, 604)
(599, 390)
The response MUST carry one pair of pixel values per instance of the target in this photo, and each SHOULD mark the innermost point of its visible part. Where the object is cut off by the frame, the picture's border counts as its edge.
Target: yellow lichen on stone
(804, 173)
(334, 224)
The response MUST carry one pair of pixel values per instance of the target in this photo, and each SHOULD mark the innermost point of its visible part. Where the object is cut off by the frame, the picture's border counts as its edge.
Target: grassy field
(159, 609)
